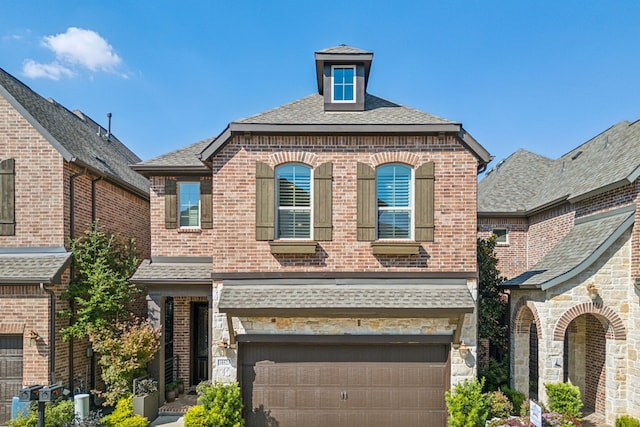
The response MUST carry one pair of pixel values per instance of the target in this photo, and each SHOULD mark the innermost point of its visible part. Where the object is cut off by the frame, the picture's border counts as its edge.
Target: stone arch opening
(524, 351)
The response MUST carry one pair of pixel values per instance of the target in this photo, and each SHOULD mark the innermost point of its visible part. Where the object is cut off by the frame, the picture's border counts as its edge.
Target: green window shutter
(366, 203)
(206, 204)
(7, 198)
(322, 202)
(425, 177)
(170, 204)
(265, 204)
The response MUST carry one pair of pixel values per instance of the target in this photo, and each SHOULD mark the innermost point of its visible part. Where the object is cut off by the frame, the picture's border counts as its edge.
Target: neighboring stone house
(59, 170)
(568, 244)
(323, 254)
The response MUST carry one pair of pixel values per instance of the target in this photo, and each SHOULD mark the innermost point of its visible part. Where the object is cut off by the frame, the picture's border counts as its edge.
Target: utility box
(19, 407)
(29, 393)
(51, 393)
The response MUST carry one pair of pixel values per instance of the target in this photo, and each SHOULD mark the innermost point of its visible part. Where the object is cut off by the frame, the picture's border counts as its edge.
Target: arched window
(394, 194)
(293, 200)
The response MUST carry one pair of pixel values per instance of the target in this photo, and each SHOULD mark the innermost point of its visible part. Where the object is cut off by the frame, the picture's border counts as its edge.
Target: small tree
(492, 307)
(124, 351)
(99, 293)
(468, 406)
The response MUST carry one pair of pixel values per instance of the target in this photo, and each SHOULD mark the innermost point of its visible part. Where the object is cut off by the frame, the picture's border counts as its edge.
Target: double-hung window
(394, 202)
(343, 83)
(293, 199)
(189, 204)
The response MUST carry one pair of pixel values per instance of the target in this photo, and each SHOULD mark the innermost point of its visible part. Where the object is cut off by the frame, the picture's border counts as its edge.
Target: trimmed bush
(197, 416)
(123, 415)
(467, 405)
(499, 405)
(56, 414)
(516, 397)
(222, 403)
(564, 398)
(627, 421)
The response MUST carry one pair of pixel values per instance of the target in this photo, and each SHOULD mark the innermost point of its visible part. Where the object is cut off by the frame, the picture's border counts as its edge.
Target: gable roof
(182, 161)
(380, 116)
(607, 161)
(75, 136)
(344, 49)
(589, 238)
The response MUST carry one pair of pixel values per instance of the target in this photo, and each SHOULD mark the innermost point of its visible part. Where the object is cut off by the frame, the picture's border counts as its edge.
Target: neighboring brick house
(59, 170)
(569, 247)
(332, 242)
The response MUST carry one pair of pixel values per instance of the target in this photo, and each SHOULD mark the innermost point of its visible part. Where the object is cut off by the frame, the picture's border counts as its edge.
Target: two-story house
(59, 170)
(569, 247)
(323, 254)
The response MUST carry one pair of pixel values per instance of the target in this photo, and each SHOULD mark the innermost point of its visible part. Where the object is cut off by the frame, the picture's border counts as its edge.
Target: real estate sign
(535, 414)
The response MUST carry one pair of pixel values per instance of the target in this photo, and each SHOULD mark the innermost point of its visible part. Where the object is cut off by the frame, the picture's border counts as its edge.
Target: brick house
(569, 247)
(323, 254)
(59, 170)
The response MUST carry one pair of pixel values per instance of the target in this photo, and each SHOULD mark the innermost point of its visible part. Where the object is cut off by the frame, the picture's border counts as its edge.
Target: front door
(200, 343)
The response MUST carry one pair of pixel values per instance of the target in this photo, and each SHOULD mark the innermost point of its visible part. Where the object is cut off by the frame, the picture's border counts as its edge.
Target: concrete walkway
(169, 421)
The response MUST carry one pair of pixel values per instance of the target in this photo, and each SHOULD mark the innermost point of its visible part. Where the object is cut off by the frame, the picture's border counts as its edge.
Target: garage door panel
(346, 385)
(10, 372)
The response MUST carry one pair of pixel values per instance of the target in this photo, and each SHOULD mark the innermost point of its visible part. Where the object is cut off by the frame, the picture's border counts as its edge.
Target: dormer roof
(342, 54)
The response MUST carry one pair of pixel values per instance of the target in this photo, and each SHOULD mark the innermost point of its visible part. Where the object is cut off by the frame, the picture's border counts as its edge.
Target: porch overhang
(174, 271)
(33, 266)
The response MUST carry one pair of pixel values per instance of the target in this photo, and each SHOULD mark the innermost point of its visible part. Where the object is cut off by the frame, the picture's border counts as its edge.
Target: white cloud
(85, 48)
(53, 71)
(75, 49)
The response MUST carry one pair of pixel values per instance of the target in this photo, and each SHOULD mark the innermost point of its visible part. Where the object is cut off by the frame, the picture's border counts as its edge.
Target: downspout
(52, 334)
(71, 237)
(92, 378)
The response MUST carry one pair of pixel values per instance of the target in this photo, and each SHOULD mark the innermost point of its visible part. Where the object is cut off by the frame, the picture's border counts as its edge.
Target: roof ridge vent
(606, 141)
(576, 155)
(564, 166)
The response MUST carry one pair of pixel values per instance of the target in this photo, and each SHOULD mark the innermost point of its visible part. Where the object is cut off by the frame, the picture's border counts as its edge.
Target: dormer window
(343, 82)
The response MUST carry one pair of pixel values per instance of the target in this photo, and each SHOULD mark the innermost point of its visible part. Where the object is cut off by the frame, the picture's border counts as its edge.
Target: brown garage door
(10, 372)
(344, 385)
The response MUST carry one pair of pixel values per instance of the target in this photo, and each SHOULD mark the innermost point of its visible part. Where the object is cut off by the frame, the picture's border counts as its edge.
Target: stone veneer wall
(611, 275)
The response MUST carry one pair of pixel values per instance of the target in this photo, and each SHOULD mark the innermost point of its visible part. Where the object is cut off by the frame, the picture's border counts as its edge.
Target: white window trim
(506, 236)
(190, 227)
(355, 79)
(412, 207)
(277, 207)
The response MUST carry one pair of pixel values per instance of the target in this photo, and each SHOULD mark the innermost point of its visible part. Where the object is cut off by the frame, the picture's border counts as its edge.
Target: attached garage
(353, 381)
(10, 373)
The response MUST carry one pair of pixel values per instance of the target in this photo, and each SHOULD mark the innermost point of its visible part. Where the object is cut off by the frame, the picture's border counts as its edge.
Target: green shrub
(222, 402)
(627, 421)
(496, 375)
(499, 405)
(564, 398)
(524, 408)
(516, 397)
(56, 414)
(197, 416)
(467, 405)
(123, 415)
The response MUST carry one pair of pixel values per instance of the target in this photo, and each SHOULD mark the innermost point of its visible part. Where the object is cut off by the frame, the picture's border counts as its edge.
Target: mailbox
(51, 393)
(30, 393)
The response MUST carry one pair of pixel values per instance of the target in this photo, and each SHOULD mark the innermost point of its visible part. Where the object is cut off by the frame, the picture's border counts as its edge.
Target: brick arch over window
(522, 318)
(614, 325)
(279, 158)
(411, 159)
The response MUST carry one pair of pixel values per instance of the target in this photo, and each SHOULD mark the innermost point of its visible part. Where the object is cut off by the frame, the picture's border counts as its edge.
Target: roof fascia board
(371, 283)
(591, 258)
(634, 175)
(181, 260)
(216, 144)
(171, 282)
(36, 125)
(515, 214)
(345, 339)
(37, 280)
(463, 275)
(474, 146)
(607, 214)
(344, 57)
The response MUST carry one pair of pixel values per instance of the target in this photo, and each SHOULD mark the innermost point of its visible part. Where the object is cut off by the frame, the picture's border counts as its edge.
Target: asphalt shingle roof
(310, 111)
(74, 135)
(31, 267)
(173, 271)
(183, 157)
(586, 241)
(345, 297)
(611, 158)
(343, 49)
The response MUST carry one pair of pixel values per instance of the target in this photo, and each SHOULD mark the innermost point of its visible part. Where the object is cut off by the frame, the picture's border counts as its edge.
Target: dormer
(343, 74)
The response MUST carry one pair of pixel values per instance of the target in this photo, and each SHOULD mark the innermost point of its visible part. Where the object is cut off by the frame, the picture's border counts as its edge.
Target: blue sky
(541, 75)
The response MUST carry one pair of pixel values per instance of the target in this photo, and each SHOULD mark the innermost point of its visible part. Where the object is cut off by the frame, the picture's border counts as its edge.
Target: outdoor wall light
(464, 350)
(33, 337)
(592, 291)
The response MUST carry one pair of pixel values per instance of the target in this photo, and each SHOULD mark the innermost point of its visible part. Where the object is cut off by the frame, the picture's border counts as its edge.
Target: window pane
(294, 224)
(394, 224)
(338, 75)
(294, 201)
(394, 186)
(189, 204)
(348, 93)
(348, 75)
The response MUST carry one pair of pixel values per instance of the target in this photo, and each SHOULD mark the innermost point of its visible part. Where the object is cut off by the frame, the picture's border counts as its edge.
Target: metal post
(40, 414)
